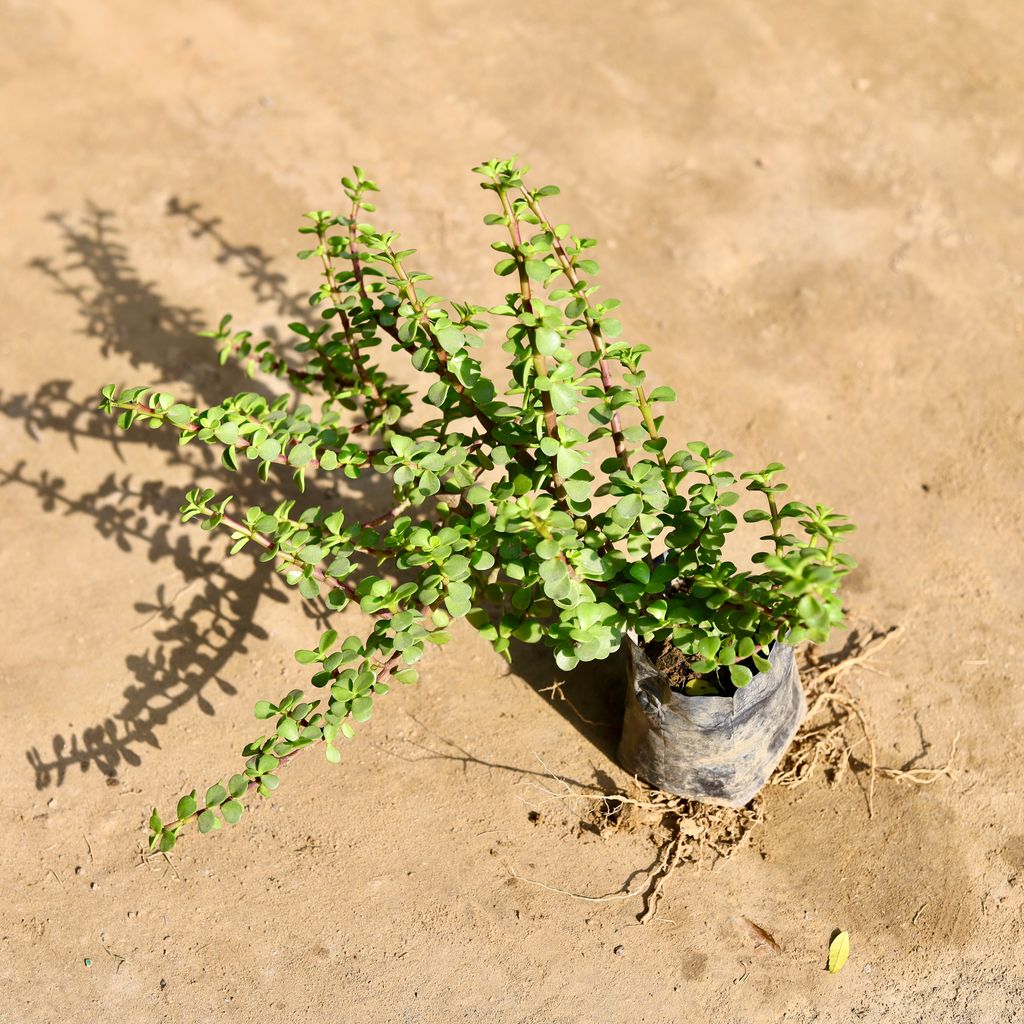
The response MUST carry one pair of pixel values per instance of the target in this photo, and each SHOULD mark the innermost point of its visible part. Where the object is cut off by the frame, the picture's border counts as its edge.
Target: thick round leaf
(186, 807)
(216, 795)
(301, 455)
(232, 811)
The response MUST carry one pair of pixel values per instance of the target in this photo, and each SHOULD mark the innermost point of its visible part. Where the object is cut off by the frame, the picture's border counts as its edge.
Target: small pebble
(78, 869)
(88, 962)
(94, 885)
(619, 950)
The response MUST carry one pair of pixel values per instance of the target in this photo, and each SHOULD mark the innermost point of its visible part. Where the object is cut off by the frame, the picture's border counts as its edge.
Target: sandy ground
(813, 213)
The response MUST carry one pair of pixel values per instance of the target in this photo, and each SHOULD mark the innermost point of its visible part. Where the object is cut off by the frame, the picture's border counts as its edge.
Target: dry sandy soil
(813, 213)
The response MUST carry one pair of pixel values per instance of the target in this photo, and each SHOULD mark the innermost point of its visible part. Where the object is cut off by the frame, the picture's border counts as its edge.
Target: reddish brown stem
(593, 329)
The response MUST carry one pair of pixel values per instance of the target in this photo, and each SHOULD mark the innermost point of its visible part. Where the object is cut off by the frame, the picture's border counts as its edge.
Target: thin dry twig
(626, 894)
(923, 776)
(854, 708)
(828, 743)
(115, 956)
(870, 648)
(668, 864)
(694, 831)
(555, 689)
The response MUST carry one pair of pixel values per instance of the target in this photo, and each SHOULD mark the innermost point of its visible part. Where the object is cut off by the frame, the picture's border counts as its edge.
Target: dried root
(701, 834)
(824, 742)
(688, 832)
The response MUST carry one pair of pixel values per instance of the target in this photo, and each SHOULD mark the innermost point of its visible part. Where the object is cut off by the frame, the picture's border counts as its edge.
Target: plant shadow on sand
(591, 697)
(207, 615)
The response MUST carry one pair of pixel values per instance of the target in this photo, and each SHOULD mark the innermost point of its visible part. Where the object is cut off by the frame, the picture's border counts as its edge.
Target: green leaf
(186, 807)
(269, 450)
(740, 675)
(708, 646)
(216, 795)
(628, 508)
(362, 708)
(301, 455)
(179, 415)
(838, 952)
(452, 340)
(266, 524)
(311, 554)
(167, 841)
(812, 611)
(227, 433)
(237, 785)
(232, 812)
(264, 709)
(563, 399)
(662, 394)
(569, 461)
(332, 753)
(548, 341)
(207, 821)
(537, 270)
(288, 729)
(437, 393)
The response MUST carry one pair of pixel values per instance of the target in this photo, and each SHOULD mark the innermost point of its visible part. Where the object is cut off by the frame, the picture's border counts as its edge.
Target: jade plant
(532, 508)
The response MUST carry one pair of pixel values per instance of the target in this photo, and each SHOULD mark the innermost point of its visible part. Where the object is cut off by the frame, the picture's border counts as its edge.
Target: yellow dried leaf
(838, 952)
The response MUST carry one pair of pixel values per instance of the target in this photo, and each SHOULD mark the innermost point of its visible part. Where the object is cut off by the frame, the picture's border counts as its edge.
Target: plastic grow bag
(718, 749)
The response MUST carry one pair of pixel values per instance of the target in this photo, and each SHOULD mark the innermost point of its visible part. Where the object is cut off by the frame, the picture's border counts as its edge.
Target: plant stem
(357, 269)
(385, 670)
(353, 346)
(539, 361)
(242, 443)
(264, 542)
(593, 328)
(773, 510)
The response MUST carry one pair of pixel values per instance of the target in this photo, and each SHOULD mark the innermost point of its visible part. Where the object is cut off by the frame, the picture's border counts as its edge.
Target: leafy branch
(501, 512)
